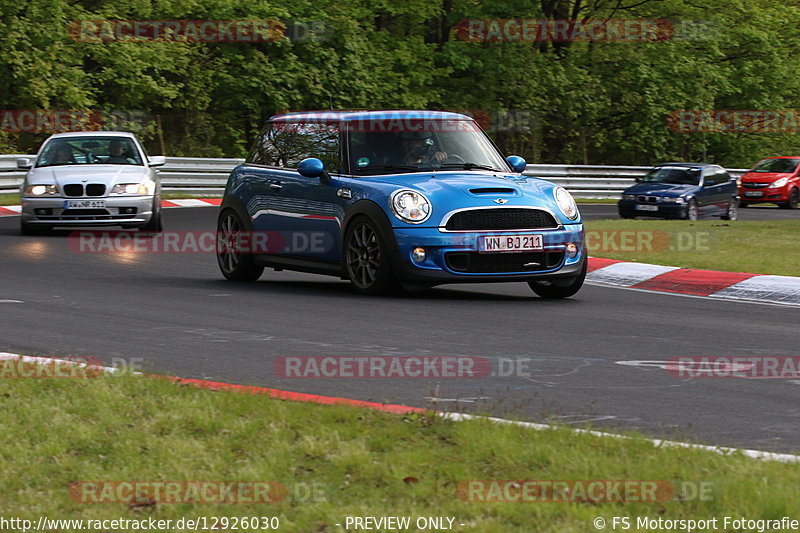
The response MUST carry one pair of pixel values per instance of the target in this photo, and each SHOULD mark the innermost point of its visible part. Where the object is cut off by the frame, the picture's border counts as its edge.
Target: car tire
(234, 265)
(691, 210)
(732, 213)
(794, 200)
(560, 288)
(154, 225)
(32, 229)
(366, 260)
(743, 204)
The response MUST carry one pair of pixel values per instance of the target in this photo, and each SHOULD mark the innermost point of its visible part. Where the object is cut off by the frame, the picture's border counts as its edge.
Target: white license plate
(753, 193)
(84, 204)
(641, 207)
(509, 243)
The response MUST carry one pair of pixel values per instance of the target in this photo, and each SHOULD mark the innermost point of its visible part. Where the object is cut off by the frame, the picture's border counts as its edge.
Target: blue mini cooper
(396, 198)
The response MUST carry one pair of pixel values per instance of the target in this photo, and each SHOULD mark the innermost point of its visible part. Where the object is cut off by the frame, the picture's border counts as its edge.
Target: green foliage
(590, 102)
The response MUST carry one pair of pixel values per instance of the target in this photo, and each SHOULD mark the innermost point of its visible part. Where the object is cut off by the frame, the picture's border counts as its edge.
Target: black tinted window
(285, 144)
(676, 175)
(716, 176)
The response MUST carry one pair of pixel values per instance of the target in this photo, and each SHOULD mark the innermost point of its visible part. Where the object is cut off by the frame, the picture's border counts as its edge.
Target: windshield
(776, 165)
(675, 175)
(90, 151)
(421, 145)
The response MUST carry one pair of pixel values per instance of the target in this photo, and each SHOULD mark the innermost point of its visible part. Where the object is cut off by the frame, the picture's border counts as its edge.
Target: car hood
(450, 191)
(107, 174)
(764, 177)
(660, 189)
(471, 184)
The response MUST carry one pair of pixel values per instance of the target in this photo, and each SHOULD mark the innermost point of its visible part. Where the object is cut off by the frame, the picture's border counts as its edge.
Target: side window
(713, 177)
(285, 144)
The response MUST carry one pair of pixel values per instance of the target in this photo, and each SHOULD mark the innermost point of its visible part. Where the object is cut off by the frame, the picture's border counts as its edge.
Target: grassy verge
(336, 461)
(13, 198)
(596, 201)
(9, 199)
(760, 247)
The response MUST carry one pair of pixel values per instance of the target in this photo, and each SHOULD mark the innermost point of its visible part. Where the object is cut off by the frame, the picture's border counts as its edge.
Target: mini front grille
(476, 263)
(95, 189)
(501, 219)
(73, 189)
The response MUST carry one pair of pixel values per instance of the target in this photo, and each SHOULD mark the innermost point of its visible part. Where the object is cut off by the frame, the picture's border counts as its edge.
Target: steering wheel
(453, 158)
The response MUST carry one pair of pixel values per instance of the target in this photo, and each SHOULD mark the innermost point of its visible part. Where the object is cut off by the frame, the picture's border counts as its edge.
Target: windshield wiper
(470, 166)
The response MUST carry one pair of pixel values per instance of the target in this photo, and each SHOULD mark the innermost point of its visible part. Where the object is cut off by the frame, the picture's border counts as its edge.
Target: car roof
(687, 165)
(355, 115)
(93, 134)
(781, 157)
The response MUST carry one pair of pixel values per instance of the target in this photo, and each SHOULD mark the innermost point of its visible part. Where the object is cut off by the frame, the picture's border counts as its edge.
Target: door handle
(275, 185)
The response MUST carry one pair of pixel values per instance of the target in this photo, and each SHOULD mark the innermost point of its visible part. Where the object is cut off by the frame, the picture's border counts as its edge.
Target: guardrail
(199, 176)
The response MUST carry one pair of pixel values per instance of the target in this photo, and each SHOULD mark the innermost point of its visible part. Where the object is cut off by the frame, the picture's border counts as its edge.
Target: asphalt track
(177, 314)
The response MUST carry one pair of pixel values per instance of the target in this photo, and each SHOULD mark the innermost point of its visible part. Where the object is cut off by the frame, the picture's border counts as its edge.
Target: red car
(773, 180)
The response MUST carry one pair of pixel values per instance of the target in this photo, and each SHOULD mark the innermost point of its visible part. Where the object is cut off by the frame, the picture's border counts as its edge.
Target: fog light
(572, 250)
(419, 255)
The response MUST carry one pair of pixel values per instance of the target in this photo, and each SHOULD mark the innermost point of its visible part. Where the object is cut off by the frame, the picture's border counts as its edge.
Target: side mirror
(517, 164)
(24, 163)
(157, 161)
(311, 167)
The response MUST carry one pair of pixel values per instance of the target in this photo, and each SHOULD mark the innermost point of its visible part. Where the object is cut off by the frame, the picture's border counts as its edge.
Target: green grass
(760, 247)
(9, 199)
(360, 462)
(597, 200)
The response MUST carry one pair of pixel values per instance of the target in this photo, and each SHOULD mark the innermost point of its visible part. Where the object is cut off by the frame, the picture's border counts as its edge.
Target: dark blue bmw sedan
(682, 190)
(389, 198)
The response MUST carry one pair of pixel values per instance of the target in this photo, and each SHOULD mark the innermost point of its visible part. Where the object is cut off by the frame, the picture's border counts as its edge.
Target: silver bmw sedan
(92, 178)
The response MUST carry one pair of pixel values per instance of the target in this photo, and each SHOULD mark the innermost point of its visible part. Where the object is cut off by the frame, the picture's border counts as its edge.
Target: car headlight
(410, 206)
(629, 197)
(129, 188)
(565, 203)
(779, 183)
(41, 190)
(671, 199)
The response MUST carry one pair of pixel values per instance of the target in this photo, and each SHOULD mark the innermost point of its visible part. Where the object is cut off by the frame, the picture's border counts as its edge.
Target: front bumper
(766, 195)
(118, 210)
(663, 210)
(452, 257)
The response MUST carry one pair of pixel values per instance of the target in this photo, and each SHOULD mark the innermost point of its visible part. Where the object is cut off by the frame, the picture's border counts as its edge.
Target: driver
(418, 150)
(117, 151)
